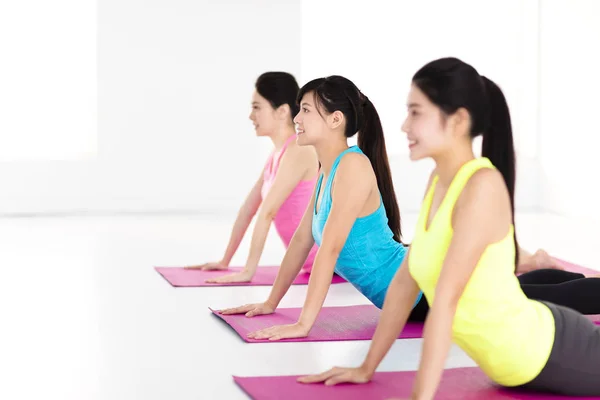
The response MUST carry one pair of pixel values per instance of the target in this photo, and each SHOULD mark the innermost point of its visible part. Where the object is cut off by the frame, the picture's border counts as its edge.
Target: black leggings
(567, 289)
(563, 288)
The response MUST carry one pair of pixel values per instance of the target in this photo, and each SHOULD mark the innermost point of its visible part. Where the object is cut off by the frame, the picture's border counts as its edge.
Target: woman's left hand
(278, 332)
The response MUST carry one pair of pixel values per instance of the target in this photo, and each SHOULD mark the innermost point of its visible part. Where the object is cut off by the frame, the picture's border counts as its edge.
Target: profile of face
(264, 117)
(430, 132)
(313, 125)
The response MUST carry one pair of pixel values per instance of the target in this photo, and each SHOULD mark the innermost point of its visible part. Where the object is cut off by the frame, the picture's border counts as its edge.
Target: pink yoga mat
(333, 324)
(456, 384)
(265, 276)
(577, 268)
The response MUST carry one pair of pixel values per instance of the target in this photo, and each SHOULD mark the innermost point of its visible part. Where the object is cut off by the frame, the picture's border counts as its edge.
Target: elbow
(447, 300)
(331, 250)
(267, 215)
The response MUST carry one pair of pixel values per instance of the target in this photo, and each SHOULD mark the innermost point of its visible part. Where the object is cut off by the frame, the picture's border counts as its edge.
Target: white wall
(379, 45)
(48, 95)
(569, 103)
(175, 79)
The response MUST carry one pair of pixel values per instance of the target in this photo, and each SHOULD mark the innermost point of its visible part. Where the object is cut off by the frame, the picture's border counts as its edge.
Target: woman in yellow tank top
(463, 254)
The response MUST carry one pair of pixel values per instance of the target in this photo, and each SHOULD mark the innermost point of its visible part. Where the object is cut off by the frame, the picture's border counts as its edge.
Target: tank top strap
(283, 149)
(336, 163)
(446, 207)
(457, 185)
(463, 175)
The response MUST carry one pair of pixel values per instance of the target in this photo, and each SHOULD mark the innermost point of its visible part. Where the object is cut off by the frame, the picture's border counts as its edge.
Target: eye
(304, 109)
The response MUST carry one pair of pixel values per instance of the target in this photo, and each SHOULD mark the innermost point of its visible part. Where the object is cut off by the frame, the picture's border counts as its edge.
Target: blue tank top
(370, 257)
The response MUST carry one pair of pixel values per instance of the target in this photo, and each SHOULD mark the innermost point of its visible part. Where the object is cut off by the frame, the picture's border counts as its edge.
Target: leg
(548, 276)
(573, 368)
(581, 295)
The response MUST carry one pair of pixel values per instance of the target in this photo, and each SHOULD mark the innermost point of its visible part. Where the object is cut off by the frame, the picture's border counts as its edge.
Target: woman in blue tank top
(371, 254)
(353, 215)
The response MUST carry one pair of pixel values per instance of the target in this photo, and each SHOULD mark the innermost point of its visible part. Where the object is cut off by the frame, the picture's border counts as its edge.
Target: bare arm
(397, 306)
(289, 175)
(294, 259)
(477, 223)
(242, 221)
(244, 217)
(399, 300)
(354, 176)
(352, 186)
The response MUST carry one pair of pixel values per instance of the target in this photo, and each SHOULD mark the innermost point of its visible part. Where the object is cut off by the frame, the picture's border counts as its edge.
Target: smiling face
(263, 116)
(426, 127)
(311, 126)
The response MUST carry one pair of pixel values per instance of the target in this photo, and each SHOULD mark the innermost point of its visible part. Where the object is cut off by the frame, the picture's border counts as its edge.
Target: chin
(416, 156)
(301, 140)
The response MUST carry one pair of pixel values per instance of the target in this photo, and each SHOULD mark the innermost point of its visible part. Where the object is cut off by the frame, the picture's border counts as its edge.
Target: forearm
(397, 306)
(242, 222)
(259, 237)
(292, 262)
(318, 286)
(437, 339)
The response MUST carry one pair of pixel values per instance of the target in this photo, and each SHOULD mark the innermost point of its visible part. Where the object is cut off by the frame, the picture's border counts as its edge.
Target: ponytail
(336, 93)
(372, 143)
(498, 144)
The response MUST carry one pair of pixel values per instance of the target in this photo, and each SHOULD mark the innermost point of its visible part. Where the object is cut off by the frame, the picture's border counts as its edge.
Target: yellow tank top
(508, 335)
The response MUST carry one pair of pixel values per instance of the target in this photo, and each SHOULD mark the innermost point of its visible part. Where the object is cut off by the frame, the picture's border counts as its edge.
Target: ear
(283, 112)
(460, 122)
(335, 119)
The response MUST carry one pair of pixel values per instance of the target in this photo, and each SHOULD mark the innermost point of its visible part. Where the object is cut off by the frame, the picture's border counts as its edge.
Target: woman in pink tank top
(285, 186)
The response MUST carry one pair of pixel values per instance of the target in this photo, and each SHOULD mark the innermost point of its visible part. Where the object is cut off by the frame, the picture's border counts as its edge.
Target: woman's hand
(279, 332)
(250, 310)
(243, 276)
(211, 266)
(339, 375)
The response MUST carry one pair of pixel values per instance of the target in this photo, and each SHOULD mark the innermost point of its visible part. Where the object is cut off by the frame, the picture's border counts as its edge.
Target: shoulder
(485, 183)
(355, 166)
(485, 191)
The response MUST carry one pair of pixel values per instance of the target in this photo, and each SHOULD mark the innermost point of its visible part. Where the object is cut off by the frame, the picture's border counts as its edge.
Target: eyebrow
(414, 105)
(305, 105)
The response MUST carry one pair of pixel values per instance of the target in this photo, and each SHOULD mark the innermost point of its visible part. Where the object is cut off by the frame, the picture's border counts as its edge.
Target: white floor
(83, 315)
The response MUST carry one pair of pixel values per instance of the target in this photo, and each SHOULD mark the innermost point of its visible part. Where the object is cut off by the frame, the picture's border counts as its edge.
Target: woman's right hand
(250, 310)
(337, 375)
(211, 266)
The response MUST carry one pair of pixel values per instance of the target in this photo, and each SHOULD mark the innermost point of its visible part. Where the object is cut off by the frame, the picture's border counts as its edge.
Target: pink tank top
(292, 210)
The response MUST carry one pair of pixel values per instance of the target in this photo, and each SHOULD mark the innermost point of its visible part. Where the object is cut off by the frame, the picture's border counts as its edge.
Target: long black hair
(451, 84)
(336, 93)
(279, 88)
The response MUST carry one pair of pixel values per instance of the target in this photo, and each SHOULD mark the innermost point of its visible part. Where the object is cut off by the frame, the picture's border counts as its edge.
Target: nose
(297, 119)
(405, 126)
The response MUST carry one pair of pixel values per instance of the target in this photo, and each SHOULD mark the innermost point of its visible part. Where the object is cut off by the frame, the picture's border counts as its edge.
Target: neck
(448, 165)
(328, 152)
(282, 135)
